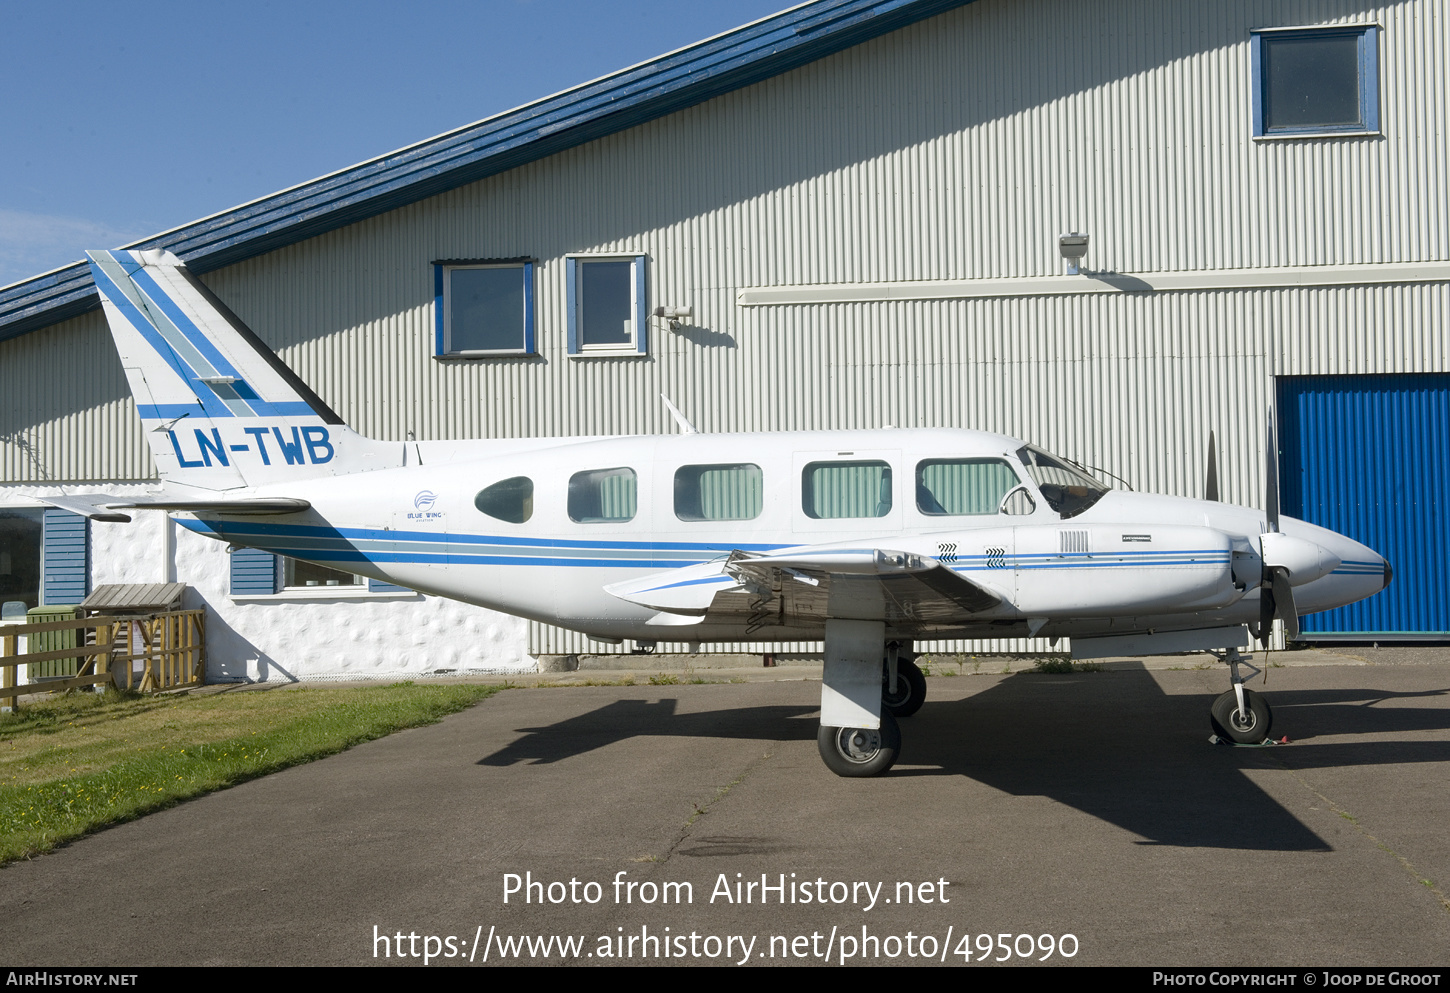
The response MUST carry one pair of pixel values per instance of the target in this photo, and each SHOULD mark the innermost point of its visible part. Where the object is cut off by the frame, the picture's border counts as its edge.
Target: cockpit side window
(954, 487)
(603, 496)
(1066, 490)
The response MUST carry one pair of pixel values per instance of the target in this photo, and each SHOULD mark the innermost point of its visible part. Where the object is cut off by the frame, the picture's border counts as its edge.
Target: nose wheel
(1247, 726)
(1240, 715)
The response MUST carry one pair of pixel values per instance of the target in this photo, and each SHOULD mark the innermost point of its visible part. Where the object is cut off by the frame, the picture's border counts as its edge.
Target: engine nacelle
(1304, 560)
(1115, 570)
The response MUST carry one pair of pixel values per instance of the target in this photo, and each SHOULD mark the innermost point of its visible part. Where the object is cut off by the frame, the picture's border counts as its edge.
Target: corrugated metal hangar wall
(954, 152)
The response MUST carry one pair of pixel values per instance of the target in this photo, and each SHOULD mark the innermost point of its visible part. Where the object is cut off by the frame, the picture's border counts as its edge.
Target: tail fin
(220, 409)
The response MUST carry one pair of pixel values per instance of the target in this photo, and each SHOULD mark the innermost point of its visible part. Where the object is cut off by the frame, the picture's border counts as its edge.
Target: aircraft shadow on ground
(1111, 745)
(625, 719)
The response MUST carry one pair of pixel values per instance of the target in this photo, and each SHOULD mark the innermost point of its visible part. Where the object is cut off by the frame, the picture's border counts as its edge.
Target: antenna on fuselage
(685, 426)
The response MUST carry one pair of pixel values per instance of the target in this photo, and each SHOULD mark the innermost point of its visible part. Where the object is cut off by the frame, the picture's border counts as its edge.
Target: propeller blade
(1284, 603)
(1271, 475)
(1210, 487)
(1266, 614)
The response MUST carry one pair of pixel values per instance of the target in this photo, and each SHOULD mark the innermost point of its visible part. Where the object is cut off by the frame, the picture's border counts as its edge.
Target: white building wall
(297, 635)
(955, 149)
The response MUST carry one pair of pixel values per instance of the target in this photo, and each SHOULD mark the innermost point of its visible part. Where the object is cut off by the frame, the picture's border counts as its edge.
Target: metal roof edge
(683, 78)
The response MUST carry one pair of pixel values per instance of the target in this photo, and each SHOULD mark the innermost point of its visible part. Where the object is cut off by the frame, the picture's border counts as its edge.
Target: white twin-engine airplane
(866, 539)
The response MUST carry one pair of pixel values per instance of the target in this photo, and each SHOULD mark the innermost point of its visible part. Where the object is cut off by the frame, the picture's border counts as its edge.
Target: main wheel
(1246, 729)
(910, 688)
(857, 752)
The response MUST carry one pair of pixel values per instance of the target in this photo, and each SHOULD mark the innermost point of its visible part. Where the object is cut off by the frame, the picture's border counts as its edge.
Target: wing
(772, 589)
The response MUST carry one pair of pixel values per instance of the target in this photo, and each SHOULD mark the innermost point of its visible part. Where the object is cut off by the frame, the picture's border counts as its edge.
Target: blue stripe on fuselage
(327, 544)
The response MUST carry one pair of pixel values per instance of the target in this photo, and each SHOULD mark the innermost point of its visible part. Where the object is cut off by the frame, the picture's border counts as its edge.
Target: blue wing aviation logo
(423, 506)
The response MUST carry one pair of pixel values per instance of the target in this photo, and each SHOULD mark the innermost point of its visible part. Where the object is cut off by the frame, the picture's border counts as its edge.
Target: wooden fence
(147, 652)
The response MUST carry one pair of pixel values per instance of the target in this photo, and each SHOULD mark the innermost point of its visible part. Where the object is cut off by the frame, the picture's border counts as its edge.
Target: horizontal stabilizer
(108, 506)
(96, 507)
(239, 507)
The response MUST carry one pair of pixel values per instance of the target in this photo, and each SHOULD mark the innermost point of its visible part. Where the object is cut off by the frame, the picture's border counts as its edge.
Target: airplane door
(847, 493)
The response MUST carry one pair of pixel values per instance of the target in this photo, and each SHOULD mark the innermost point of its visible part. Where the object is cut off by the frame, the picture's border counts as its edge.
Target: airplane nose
(1389, 573)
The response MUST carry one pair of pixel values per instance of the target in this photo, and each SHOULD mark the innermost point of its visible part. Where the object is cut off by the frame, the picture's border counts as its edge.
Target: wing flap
(811, 584)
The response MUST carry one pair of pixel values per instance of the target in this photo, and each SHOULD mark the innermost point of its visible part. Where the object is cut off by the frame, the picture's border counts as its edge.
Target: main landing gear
(861, 698)
(860, 752)
(910, 692)
(1240, 715)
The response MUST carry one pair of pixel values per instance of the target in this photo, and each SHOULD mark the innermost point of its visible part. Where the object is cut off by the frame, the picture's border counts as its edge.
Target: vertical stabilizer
(219, 408)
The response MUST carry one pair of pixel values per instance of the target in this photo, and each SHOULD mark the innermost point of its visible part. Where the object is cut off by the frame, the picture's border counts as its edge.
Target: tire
(857, 753)
(1229, 723)
(910, 688)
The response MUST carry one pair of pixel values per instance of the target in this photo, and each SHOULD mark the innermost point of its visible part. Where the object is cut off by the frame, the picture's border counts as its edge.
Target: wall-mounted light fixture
(674, 315)
(1073, 247)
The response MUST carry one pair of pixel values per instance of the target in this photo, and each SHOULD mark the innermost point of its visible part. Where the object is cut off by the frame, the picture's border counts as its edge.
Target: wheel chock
(1214, 739)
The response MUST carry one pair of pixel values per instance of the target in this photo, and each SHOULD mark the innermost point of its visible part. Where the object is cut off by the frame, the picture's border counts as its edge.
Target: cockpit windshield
(1067, 490)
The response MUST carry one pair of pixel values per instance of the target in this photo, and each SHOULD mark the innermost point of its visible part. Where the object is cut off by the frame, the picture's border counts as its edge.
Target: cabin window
(953, 487)
(1315, 81)
(21, 530)
(719, 492)
(607, 307)
(299, 575)
(509, 500)
(484, 308)
(832, 490)
(603, 496)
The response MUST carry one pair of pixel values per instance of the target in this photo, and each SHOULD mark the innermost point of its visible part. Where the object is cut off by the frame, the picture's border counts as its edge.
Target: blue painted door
(1369, 457)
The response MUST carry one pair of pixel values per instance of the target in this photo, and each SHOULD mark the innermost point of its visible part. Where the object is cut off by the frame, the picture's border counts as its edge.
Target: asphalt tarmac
(1026, 808)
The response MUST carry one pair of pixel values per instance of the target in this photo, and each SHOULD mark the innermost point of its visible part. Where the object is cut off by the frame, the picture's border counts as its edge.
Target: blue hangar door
(1369, 457)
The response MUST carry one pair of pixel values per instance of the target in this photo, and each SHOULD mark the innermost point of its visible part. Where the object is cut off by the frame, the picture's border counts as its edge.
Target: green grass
(77, 763)
(1060, 665)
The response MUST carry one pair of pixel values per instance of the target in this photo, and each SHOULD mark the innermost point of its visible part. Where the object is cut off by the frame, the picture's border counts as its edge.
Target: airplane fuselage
(1128, 562)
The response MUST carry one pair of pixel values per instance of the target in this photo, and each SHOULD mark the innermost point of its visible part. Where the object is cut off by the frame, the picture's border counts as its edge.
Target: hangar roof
(680, 79)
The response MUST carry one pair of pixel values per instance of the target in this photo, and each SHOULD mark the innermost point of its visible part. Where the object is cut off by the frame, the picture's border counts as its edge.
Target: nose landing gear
(1240, 715)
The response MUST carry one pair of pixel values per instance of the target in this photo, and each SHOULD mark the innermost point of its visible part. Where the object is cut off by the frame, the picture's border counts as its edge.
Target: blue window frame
(258, 573)
(607, 307)
(1315, 82)
(483, 307)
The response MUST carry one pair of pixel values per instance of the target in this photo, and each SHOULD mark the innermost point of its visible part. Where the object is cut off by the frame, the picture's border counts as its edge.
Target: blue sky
(121, 120)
